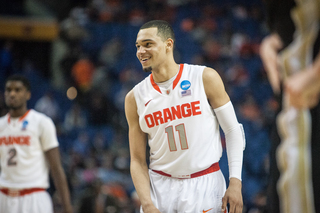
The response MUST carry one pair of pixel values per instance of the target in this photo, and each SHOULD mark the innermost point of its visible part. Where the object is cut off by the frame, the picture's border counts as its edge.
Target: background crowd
(80, 80)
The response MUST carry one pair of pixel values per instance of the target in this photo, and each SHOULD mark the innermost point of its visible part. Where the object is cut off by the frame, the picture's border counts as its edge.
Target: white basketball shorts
(193, 195)
(37, 202)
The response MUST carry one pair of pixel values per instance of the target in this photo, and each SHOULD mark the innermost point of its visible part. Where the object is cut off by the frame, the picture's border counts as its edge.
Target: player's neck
(165, 72)
(15, 113)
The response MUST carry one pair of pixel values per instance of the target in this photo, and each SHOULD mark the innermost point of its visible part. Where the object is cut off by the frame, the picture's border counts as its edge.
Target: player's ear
(169, 44)
(28, 95)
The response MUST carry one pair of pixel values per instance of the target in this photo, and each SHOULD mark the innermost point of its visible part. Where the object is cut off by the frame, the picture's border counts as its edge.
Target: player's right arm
(138, 165)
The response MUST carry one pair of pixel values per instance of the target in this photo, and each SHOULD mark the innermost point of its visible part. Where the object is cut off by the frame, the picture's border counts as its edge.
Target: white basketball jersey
(22, 147)
(183, 132)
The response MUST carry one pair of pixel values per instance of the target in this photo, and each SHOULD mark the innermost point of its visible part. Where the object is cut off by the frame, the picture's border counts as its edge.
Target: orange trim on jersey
(175, 82)
(155, 86)
(213, 168)
(21, 118)
(22, 192)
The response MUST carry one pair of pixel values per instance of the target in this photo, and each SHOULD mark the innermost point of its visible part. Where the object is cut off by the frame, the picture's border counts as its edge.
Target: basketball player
(28, 148)
(295, 35)
(178, 108)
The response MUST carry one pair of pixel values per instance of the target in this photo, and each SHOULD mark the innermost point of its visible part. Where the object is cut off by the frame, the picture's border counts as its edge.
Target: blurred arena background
(80, 58)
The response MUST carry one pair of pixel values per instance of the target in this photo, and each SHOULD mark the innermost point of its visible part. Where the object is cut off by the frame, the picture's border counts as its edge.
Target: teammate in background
(291, 56)
(179, 108)
(28, 148)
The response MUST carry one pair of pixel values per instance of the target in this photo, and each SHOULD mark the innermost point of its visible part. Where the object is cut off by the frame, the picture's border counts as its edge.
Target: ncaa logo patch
(185, 84)
(24, 125)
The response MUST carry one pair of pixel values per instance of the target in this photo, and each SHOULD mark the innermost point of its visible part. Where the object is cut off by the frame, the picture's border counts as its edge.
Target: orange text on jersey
(20, 140)
(172, 113)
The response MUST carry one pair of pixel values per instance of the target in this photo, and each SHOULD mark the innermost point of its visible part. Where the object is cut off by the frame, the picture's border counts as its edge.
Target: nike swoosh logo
(148, 102)
(204, 211)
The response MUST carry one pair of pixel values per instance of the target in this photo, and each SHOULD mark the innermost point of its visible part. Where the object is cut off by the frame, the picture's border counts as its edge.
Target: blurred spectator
(137, 16)
(239, 12)
(101, 110)
(72, 28)
(90, 171)
(211, 48)
(95, 200)
(110, 53)
(100, 143)
(107, 172)
(101, 81)
(48, 105)
(128, 78)
(82, 72)
(75, 118)
(260, 202)
(67, 62)
(122, 160)
(107, 10)
(82, 144)
(237, 41)
(117, 191)
(238, 77)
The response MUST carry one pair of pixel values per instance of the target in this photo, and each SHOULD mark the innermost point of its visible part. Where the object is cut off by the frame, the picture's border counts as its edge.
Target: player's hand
(269, 55)
(303, 89)
(150, 209)
(233, 196)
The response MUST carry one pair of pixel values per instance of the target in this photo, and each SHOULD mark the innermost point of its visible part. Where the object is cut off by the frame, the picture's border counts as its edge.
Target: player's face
(16, 95)
(151, 50)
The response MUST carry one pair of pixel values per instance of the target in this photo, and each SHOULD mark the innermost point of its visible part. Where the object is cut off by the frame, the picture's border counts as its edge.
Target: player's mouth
(144, 60)
(11, 102)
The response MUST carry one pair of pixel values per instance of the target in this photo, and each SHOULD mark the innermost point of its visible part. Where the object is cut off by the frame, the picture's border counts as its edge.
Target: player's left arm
(220, 102)
(50, 147)
(59, 178)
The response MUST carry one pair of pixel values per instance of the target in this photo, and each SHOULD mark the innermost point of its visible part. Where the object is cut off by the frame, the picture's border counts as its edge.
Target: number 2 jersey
(183, 132)
(23, 143)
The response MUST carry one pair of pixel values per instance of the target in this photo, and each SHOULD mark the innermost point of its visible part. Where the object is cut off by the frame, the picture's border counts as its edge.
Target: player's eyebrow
(145, 40)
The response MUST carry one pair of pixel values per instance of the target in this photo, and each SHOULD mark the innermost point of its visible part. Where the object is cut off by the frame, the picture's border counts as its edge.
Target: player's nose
(12, 93)
(141, 50)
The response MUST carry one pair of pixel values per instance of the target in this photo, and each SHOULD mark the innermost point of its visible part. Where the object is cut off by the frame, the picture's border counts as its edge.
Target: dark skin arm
(59, 178)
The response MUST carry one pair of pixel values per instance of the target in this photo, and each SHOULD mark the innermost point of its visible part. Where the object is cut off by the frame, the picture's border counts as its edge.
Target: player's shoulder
(39, 116)
(130, 95)
(210, 72)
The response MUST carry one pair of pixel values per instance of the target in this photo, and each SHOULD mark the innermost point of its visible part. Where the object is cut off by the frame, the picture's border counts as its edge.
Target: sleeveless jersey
(22, 147)
(183, 132)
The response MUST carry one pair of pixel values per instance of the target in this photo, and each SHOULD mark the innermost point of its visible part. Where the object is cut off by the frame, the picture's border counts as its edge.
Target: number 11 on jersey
(182, 136)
